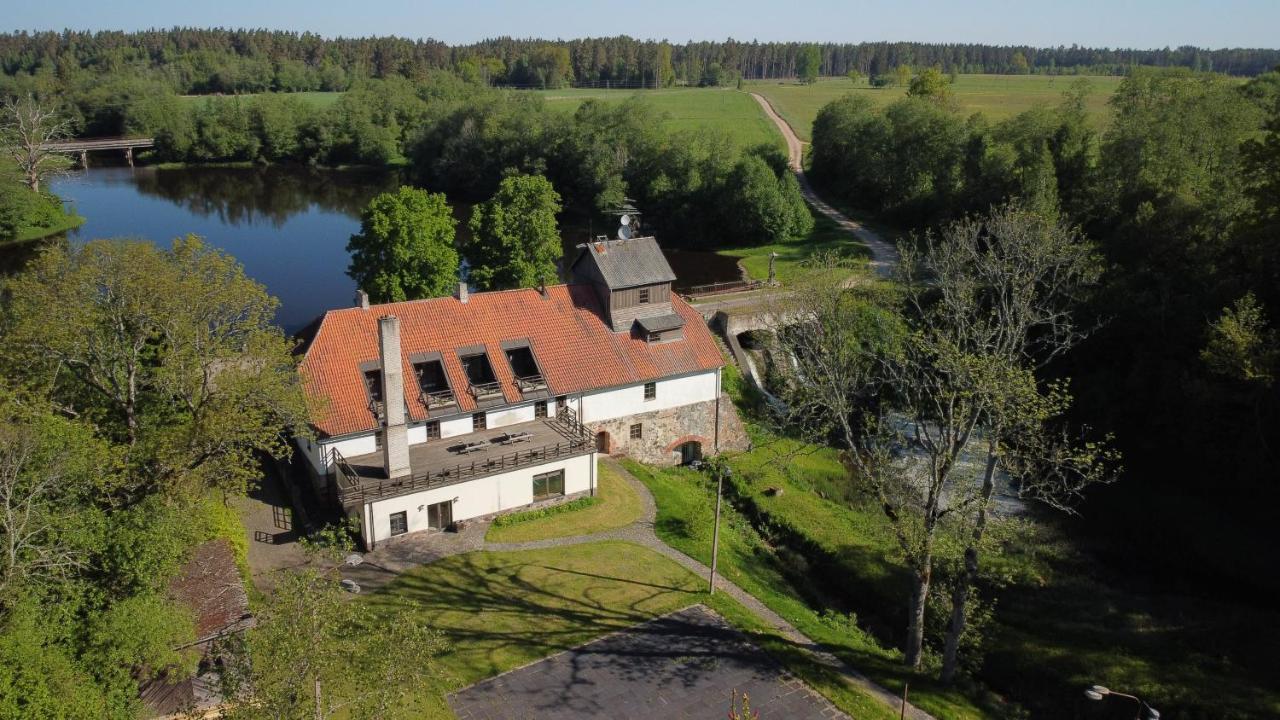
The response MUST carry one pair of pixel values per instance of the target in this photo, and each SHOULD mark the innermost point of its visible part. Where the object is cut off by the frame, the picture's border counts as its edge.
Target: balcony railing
(529, 383)
(352, 489)
(486, 391)
(438, 399)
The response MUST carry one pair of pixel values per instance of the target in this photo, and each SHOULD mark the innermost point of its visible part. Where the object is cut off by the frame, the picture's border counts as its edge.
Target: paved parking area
(683, 665)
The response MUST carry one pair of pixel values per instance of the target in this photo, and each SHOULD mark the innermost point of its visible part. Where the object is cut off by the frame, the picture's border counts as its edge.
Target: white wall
(673, 392)
(481, 496)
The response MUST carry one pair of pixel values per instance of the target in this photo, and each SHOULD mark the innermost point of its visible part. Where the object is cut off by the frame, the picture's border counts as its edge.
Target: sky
(1040, 23)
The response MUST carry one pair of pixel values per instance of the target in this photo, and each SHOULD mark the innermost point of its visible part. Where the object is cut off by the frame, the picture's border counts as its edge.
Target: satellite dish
(626, 219)
(624, 233)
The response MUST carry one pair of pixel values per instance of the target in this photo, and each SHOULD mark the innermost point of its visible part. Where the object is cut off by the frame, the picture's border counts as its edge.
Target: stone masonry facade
(664, 431)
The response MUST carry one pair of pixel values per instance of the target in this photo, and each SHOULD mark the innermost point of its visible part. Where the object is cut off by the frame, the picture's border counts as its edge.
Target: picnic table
(474, 446)
(513, 438)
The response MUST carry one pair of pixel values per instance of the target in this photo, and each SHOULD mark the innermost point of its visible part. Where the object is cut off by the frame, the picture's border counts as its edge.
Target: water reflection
(288, 226)
(272, 195)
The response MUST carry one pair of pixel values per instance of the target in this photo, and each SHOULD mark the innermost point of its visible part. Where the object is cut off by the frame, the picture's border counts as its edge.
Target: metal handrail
(486, 389)
(531, 382)
(438, 398)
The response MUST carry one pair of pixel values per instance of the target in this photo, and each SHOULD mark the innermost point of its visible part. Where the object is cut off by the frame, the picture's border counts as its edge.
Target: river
(288, 226)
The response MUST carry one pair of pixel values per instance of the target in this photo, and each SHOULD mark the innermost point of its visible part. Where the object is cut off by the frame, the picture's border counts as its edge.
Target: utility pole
(720, 471)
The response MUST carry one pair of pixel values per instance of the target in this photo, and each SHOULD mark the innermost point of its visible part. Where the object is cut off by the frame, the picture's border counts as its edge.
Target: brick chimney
(362, 299)
(462, 292)
(395, 441)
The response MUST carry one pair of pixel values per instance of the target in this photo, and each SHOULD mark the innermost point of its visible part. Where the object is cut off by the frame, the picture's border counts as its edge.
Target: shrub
(516, 518)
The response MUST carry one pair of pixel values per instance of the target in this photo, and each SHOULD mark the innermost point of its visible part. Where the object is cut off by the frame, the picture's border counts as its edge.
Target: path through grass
(500, 611)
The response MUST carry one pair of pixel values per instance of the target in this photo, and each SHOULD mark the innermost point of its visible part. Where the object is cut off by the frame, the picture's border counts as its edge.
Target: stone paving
(684, 665)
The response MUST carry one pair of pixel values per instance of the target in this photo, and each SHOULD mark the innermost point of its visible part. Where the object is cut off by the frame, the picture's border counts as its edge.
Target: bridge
(83, 147)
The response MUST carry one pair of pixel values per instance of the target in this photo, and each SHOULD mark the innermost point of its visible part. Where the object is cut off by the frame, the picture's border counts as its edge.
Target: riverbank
(68, 222)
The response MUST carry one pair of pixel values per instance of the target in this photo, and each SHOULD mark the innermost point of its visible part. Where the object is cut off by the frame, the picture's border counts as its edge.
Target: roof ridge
(470, 296)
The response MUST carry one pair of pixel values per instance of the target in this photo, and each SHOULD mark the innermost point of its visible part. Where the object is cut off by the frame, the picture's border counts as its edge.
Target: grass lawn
(1062, 623)
(996, 96)
(686, 511)
(724, 111)
(499, 611)
(619, 506)
(69, 221)
(826, 237)
(316, 99)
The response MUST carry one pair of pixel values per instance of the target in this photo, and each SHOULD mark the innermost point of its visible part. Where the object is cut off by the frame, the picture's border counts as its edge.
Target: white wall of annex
(482, 496)
(626, 401)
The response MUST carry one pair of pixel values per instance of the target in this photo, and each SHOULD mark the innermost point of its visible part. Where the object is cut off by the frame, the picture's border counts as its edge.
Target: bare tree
(947, 374)
(29, 128)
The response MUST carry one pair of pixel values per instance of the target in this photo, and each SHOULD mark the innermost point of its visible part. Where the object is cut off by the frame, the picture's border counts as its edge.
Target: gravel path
(390, 559)
(883, 254)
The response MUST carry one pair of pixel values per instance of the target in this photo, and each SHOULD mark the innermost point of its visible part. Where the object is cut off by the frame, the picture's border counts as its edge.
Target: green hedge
(515, 518)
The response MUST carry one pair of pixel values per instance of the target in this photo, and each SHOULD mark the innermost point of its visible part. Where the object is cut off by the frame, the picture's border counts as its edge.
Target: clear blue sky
(1110, 23)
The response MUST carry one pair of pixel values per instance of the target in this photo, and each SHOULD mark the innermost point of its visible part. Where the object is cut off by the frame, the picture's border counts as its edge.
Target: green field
(996, 96)
(316, 99)
(726, 111)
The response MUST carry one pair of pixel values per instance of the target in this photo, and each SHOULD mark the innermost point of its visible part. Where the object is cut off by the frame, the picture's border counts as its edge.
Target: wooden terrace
(447, 461)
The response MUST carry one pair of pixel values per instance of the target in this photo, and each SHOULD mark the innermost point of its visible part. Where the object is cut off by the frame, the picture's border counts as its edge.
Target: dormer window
(373, 391)
(484, 385)
(525, 368)
(433, 383)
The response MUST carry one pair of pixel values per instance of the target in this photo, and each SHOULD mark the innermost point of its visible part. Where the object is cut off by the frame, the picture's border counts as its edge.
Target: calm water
(288, 226)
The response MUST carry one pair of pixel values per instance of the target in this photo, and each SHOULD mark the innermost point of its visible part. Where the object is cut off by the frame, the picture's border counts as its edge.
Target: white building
(500, 400)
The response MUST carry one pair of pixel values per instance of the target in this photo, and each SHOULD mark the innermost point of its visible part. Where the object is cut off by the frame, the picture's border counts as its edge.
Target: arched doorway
(604, 443)
(690, 452)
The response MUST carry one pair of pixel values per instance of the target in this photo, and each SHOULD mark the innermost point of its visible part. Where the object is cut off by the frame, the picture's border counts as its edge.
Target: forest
(1180, 195)
(207, 61)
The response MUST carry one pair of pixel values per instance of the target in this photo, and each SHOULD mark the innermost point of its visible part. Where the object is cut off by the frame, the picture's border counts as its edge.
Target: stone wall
(664, 431)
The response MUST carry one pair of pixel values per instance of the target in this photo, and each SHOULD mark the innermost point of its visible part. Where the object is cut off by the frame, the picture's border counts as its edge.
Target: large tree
(913, 392)
(172, 353)
(515, 239)
(405, 247)
(808, 64)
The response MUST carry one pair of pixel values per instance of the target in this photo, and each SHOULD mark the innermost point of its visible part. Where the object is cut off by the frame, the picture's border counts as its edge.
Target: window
(478, 422)
(650, 390)
(377, 440)
(548, 485)
(562, 402)
(373, 385)
(525, 368)
(433, 430)
(644, 296)
(432, 384)
(399, 523)
(637, 431)
(540, 409)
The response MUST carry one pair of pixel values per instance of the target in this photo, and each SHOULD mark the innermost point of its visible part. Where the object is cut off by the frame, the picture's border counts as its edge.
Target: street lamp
(1145, 711)
(721, 470)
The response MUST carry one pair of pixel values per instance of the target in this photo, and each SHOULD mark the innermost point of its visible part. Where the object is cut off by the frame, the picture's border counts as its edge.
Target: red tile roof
(573, 345)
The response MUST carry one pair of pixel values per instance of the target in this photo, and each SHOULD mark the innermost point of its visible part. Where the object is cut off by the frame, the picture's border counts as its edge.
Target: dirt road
(883, 254)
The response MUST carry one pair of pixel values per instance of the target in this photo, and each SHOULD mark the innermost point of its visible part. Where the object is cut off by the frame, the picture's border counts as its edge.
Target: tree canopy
(405, 247)
(515, 241)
